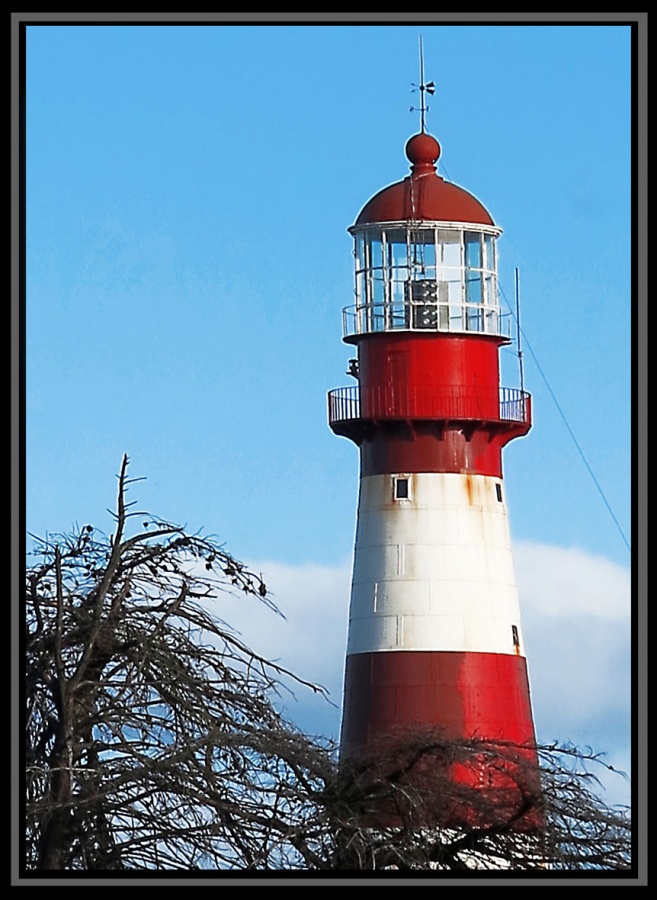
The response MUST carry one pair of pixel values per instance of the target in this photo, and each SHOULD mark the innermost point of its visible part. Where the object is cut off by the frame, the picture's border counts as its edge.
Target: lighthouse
(434, 637)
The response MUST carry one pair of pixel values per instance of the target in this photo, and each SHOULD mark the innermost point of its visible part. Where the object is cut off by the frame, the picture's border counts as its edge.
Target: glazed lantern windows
(428, 277)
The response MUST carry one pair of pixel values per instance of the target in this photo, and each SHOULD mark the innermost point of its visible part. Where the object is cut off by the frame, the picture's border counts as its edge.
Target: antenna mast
(518, 331)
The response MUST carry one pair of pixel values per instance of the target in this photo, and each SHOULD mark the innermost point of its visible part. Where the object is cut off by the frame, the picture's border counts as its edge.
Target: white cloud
(576, 624)
(557, 582)
(315, 602)
(311, 639)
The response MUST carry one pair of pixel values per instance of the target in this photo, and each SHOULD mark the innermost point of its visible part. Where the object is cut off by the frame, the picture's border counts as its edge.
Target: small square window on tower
(402, 491)
(498, 491)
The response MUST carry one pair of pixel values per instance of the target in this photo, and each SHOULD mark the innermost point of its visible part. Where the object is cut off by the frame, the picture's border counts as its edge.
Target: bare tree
(429, 802)
(153, 739)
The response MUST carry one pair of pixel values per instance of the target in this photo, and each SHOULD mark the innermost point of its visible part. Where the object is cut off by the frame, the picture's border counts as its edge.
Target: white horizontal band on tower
(433, 570)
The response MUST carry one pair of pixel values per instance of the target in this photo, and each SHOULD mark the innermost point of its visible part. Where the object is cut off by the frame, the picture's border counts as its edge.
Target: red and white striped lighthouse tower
(434, 627)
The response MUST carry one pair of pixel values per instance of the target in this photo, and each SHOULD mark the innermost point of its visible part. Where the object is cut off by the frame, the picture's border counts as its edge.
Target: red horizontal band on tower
(466, 364)
(465, 695)
(430, 447)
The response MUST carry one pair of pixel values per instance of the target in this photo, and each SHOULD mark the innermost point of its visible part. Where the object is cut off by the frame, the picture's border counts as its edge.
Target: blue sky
(188, 193)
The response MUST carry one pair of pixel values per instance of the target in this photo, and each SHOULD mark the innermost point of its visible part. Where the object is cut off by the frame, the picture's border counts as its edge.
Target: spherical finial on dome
(423, 151)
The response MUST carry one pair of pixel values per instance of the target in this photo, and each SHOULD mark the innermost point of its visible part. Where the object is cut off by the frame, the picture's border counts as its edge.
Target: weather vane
(429, 88)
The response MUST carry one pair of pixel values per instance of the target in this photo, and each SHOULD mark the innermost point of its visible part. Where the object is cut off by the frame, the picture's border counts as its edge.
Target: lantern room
(425, 257)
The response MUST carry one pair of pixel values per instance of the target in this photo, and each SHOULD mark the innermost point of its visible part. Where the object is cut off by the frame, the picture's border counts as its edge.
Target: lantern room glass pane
(454, 292)
(377, 286)
(449, 247)
(474, 319)
(360, 288)
(491, 321)
(489, 290)
(472, 250)
(423, 252)
(397, 287)
(399, 316)
(396, 247)
(359, 252)
(378, 319)
(375, 253)
(456, 318)
(489, 252)
(473, 287)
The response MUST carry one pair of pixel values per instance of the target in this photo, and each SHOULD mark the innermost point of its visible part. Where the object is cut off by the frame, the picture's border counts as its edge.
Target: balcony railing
(411, 315)
(391, 402)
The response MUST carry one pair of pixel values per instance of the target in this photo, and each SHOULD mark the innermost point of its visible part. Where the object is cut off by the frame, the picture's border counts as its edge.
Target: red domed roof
(423, 195)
